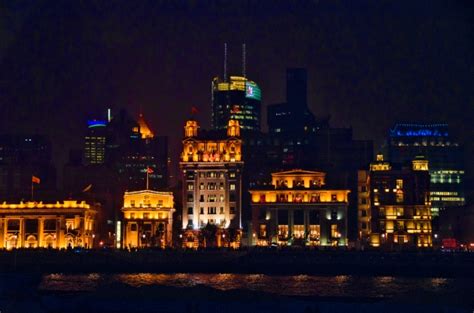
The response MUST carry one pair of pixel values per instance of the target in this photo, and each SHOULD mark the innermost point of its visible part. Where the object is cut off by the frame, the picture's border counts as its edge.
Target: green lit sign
(252, 91)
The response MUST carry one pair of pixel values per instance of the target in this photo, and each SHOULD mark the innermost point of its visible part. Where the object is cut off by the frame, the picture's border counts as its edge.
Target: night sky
(370, 64)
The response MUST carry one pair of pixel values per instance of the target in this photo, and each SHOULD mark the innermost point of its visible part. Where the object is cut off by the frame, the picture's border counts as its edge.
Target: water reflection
(304, 285)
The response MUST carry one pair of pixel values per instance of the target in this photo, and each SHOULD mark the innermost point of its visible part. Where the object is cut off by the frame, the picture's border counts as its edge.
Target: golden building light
(67, 224)
(211, 165)
(148, 219)
(298, 209)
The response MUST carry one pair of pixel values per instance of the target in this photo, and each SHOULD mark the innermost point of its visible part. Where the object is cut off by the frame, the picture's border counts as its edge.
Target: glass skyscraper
(236, 98)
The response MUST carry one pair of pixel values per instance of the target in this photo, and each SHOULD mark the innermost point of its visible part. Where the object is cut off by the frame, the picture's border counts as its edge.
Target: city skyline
(399, 73)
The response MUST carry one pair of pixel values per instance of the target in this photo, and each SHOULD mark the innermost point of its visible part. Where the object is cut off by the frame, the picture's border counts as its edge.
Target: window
(201, 198)
(221, 186)
(221, 210)
(232, 210)
(146, 201)
(232, 174)
(190, 186)
(363, 213)
(364, 226)
(363, 201)
(400, 211)
(334, 232)
(133, 227)
(132, 215)
(232, 186)
(399, 196)
(232, 197)
(211, 210)
(262, 230)
(201, 186)
(399, 183)
(146, 215)
(190, 197)
(190, 210)
(132, 203)
(221, 198)
(160, 203)
(333, 197)
(211, 198)
(201, 210)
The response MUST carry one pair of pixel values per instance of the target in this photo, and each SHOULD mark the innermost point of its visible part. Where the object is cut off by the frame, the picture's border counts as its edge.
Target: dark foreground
(273, 262)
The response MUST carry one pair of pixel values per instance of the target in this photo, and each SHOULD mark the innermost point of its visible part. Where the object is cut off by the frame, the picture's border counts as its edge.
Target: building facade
(435, 143)
(69, 224)
(147, 219)
(394, 208)
(297, 209)
(239, 99)
(211, 165)
(94, 142)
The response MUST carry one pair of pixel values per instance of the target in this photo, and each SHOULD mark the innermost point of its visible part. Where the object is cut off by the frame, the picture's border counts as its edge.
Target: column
(2, 233)
(290, 222)
(40, 231)
(21, 235)
(306, 222)
(324, 227)
(169, 229)
(5, 232)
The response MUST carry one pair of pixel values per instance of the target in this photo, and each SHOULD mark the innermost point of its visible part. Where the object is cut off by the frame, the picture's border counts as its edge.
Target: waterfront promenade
(265, 261)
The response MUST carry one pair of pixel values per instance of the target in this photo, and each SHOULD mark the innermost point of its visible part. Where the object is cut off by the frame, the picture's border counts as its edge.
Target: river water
(368, 294)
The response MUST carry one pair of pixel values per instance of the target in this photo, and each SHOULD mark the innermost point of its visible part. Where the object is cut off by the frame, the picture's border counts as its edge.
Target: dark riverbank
(289, 262)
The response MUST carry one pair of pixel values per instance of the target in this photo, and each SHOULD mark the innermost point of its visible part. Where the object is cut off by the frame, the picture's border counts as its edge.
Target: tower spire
(244, 60)
(225, 61)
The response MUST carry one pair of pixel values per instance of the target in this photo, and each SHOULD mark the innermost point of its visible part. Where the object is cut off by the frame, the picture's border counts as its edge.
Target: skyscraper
(236, 98)
(94, 142)
(434, 142)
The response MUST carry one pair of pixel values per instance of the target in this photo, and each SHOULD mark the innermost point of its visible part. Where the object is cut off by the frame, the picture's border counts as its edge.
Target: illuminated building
(297, 209)
(131, 147)
(147, 219)
(394, 207)
(21, 157)
(57, 225)
(94, 142)
(237, 98)
(297, 139)
(150, 151)
(434, 142)
(211, 165)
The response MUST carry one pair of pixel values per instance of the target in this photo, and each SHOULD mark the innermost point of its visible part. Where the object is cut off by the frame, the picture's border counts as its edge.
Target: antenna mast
(244, 60)
(225, 61)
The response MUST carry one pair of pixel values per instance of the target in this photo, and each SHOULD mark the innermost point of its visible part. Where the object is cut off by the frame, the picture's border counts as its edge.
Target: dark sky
(370, 63)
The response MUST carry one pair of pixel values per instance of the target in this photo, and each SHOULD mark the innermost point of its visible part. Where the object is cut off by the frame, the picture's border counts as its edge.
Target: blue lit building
(445, 155)
(94, 142)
